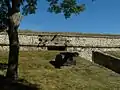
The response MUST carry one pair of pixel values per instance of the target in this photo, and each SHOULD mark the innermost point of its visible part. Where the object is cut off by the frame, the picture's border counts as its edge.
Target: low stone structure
(106, 60)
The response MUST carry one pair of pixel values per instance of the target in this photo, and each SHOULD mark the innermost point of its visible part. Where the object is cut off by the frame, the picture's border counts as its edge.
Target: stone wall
(106, 60)
(82, 43)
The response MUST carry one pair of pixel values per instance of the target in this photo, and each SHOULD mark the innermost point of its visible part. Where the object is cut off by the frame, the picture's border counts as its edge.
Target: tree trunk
(14, 18)
(12, 71)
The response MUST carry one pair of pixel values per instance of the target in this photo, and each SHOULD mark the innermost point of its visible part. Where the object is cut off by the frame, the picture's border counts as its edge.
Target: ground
(114, 53)
(34, 68)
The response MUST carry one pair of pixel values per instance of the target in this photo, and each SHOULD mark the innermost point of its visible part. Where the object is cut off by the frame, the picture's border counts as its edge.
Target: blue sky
(103, 16)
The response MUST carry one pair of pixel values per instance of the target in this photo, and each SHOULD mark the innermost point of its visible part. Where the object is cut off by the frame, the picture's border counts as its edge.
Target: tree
(11, 12)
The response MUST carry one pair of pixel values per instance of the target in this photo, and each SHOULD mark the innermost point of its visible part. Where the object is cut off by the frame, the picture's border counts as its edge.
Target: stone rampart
(82, 43)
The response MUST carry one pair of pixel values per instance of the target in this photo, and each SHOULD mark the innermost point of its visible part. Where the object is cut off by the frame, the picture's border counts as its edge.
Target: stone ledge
(48, 45)
(106, 60)
(67, 34)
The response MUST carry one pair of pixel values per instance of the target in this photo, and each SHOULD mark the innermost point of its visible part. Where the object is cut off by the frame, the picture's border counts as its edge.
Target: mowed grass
(36, 69)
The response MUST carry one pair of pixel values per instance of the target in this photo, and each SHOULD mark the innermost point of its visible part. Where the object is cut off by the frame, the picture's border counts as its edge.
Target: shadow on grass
(6, 84)
(3, 66)
(21, 84)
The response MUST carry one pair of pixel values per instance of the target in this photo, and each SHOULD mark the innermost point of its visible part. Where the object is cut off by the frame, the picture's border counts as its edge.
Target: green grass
(114, 53)
(35, 68)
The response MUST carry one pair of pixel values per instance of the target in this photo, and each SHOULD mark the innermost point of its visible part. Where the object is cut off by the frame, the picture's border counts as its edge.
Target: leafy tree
(11, 12)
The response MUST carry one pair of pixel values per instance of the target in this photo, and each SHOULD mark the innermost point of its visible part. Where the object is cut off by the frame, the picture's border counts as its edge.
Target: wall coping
(107, 54)
(67, 34)
(49, 45)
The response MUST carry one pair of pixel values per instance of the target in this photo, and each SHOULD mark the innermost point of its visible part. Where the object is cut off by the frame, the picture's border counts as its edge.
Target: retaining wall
(84, 44)
(106, 60)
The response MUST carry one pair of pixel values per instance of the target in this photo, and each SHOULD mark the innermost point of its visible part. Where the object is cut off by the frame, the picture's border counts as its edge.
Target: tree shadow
(21, 84)
(7, 84)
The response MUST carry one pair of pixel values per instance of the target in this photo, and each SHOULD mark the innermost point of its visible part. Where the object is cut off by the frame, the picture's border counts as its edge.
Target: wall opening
(58, 48)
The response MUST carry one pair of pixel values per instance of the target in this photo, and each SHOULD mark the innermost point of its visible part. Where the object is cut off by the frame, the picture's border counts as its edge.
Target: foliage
(3, 15)
(67, 7)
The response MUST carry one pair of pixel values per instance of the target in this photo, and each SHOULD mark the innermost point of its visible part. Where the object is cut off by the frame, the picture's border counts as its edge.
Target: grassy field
(114, 53)
(34, 68)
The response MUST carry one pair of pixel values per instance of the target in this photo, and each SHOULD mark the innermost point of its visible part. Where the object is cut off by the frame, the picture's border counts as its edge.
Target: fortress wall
(84, 44)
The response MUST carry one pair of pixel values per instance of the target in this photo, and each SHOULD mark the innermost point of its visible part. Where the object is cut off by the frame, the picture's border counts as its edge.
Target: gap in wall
(58, 48)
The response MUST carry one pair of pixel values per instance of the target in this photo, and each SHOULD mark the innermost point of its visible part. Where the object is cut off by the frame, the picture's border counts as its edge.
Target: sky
(101, 16)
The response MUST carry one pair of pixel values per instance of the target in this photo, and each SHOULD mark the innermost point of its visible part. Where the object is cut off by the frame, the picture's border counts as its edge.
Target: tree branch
(8, 5)
(15, 6)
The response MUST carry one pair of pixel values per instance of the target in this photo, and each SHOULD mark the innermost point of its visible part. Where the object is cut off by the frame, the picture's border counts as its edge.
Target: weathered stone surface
(81, 43)
(26, 39)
